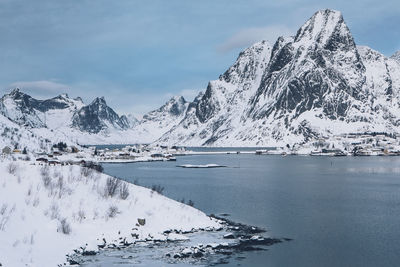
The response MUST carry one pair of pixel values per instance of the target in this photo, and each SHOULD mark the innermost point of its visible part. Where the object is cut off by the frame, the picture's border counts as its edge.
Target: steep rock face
(97, 116)
(320, 68)
(316, 83)
(221, 106)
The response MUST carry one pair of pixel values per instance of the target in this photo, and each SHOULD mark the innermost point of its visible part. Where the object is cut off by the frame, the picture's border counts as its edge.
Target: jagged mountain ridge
(60, 111)
(317, 83)
(62, 117)
(97, 116)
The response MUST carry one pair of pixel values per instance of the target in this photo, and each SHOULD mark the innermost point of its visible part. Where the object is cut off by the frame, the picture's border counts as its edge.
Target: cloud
(249, 36)
(41, 88)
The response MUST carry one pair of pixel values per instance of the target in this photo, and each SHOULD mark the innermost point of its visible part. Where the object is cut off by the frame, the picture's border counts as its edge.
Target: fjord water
(339, 211)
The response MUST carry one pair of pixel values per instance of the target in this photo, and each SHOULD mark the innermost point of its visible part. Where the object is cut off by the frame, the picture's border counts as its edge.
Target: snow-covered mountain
(97, 116)
(396, 56)
(67, 119)
(316, 83)
(157, 122)
(63, 118)
(14, 136)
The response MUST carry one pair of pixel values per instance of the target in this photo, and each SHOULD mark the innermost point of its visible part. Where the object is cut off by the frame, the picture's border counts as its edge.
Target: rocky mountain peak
(396, 56)
(99, 101)
(326, 28)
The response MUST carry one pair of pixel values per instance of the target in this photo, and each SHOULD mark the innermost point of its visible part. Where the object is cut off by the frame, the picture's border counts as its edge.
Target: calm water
(340, 211)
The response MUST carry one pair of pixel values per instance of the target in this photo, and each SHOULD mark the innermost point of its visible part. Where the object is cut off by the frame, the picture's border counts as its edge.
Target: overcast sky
(140, 53)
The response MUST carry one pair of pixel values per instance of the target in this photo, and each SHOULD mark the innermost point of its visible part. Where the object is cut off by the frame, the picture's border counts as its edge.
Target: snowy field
(48, 211)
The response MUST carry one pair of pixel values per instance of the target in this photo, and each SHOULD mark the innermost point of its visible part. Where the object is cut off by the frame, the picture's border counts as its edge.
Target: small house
(44, 160)
(74, 149)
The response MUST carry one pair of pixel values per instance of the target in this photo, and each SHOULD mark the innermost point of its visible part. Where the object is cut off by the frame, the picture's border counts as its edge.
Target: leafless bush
(45, 173)
(81, 215)
(60, 186)
(87, 172)
(157, 188)
(124, 191)
(44, 170)
(54, 211)
(3, 209)
(111, 187)
(112, 211)
(29, 191)
(12, 168)
(64, 227)
(190, 203)
(36, 202)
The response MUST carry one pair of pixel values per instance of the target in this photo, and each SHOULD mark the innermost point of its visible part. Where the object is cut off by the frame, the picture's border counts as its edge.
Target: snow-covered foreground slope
(46, 212)
(14, 136)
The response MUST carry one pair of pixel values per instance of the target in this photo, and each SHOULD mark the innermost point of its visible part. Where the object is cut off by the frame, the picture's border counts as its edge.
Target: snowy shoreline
(46, 212)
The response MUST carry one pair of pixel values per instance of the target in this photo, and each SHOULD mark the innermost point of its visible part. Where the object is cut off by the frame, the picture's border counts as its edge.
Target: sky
(138, 54)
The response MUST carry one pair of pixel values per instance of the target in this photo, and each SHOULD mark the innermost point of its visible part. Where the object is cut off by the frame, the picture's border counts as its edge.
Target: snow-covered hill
(48, 211)
(315, 84)
(16, 137)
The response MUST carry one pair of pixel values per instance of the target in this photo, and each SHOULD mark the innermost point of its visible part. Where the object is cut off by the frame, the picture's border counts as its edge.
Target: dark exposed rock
(96, 116)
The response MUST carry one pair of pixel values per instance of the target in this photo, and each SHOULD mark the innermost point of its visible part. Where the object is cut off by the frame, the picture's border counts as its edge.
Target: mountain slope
(97, 116)
(221, 107)
(157, 122)
(317, 83)
(64, 118)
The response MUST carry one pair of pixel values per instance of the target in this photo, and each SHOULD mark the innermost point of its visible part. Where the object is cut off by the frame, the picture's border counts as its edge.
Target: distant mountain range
(63, 118)
(318, 83)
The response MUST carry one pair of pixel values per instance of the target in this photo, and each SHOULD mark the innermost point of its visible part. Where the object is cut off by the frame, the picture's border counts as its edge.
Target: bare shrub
(190, 203)
(87, 172)
(81, 215)
(36, 202)
(157, 188)
(44, 170)
(111, 187)
(3, 209)
(124, 191)
(29, 193)
(60, 186)
(45, 173)
(64, 227)
(112, 211)
(12, 168)
(54, 211)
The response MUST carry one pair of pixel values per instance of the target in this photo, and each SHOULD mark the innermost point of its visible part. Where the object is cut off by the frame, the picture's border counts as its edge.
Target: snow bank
(201, 166)
(46, 212)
